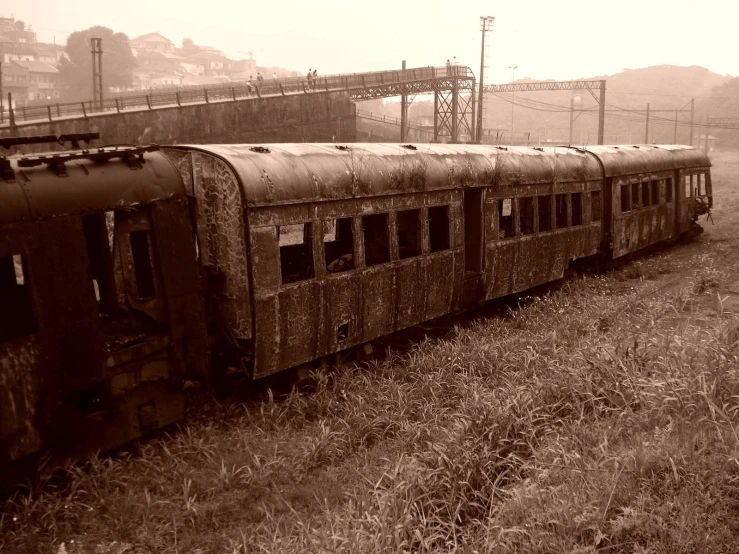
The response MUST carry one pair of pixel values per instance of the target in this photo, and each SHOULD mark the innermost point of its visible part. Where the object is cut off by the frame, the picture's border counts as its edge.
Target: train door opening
(473, 231)
(473, 243)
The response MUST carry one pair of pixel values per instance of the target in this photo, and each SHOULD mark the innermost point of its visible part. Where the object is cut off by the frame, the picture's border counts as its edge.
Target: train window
(16, 317)
(560, 211)
(595, 205)
(625, 198)
(438, 228)
(645, 194)
(409, 233)
(98, 239)
(668, 190)
(545, 213)
(654, 186)
(635, 196)
(576, 208)
(142, 268)
(699, 184)
(376, 239)
(688, 186)
(505, 218)
(338, 243)
(296, 252)
(527, 214)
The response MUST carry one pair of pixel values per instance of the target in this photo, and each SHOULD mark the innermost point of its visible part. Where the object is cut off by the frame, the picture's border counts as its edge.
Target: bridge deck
(360, 86)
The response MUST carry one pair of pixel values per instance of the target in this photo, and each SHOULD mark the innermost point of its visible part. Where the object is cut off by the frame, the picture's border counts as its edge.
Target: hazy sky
(546, 39)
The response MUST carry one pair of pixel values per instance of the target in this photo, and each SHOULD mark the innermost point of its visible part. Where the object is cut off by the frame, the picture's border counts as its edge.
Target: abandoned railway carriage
(121, 276)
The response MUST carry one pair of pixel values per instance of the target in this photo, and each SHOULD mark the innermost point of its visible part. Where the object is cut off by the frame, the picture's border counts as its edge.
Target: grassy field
(600, 417)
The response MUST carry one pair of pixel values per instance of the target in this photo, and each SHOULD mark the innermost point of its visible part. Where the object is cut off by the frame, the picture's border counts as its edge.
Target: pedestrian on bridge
(310, 78)
(315, 78)
(448, 67)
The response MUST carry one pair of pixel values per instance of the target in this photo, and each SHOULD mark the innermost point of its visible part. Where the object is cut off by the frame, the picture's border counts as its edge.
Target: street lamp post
(513, 98)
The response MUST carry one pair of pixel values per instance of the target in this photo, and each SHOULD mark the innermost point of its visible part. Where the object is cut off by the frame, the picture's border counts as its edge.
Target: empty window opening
(645, 196)
(409, 233)
(16, 313)
(545, 214)
(376, 239)
(595, 205)
(560, 210)
(338, 242)
(688, 186)
(438, 228)
(668, 190)
(296, 252)
(342, 332)
(625, 198)
(527, 215)
(98, 241)
(505, 218)
(654, 186)
(142, 267)
(576, 208)
(699, 184)
(635, 196)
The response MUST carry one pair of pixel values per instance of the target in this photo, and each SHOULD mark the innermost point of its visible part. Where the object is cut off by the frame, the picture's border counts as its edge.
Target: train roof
(297, 173)
(645, 158)
(60, 183)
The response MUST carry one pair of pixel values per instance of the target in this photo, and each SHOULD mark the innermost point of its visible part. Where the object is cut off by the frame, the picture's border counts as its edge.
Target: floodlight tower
(486, 26)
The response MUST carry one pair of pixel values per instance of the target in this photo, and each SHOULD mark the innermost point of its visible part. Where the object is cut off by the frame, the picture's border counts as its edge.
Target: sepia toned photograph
(324, 277)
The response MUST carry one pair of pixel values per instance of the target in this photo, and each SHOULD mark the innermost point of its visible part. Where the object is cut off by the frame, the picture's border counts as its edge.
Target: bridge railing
(233, 90)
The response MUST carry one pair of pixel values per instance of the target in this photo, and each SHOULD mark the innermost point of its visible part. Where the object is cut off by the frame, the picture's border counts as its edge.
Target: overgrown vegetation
(599, 417)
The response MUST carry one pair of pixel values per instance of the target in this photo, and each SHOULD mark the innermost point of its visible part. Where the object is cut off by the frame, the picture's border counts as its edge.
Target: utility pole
(572, 117)
(403, 107)
(486, 25)
(97, 71)
(513, 95)
(692, 115)
(708, 127)
(674, 138)
(602, 112)
(646, 132)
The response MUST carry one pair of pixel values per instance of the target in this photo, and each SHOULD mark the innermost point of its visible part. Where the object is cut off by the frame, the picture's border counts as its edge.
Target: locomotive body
(125, 272)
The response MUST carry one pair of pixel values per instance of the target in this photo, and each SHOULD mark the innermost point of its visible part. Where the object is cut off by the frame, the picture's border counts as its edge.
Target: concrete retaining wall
(313, 117)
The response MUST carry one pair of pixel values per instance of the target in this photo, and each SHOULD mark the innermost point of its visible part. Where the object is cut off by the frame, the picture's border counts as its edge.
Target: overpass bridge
(453, 89)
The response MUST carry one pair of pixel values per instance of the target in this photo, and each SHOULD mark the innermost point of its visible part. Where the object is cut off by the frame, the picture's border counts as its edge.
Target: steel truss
(590, 86)
(454, 101)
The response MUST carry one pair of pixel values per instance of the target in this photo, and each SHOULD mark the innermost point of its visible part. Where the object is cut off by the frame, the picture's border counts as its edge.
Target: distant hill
(545, 116)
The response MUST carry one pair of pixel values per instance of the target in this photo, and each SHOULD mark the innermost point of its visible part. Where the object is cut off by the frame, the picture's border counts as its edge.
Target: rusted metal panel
(19, 396)
(222, 238)
(440, 280)
(297, 307)
(341, 312)
(87, 186)
(173, 236)
(68, 316)
(630, 160)
(378, 308)
(686, 156)
(410, 296)
(276, 174)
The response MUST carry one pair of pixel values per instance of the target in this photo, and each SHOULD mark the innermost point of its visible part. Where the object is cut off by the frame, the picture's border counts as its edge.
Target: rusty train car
(126, 271)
